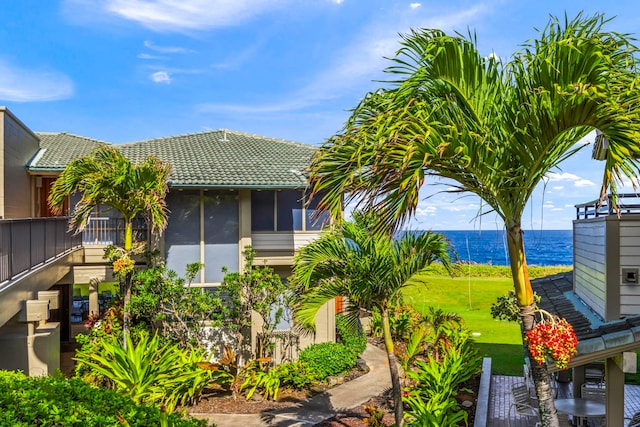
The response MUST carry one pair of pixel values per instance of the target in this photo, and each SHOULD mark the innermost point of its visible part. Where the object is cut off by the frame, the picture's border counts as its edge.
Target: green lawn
(472, 298)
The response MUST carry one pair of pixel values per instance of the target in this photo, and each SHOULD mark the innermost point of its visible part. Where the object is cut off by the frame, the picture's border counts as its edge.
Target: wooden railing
(627, 203)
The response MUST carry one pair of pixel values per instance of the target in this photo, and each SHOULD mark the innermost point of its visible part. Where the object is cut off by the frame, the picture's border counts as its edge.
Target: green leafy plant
(149, 371)
(506, 307)
(328, 358)
(434, 412)
(374, 416)
(295, 374)
(229, 371)
(57, 401)
(168, 305)
(431, 396)
(353, 338)
(267, 381)
(256, 289)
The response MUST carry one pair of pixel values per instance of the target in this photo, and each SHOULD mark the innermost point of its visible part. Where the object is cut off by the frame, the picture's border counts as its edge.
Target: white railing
(110, 231)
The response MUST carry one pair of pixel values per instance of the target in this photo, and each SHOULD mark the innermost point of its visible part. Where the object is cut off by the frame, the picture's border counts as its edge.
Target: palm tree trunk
(126, 316)
(524, 294)
(393, 368)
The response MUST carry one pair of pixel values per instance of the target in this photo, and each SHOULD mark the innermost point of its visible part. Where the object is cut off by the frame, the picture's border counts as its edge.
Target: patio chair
(594, 392)
(522, 403)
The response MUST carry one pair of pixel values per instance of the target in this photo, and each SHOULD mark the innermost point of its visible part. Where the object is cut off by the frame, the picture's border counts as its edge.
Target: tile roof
(595, 336)
(58, 149)
(221, 158)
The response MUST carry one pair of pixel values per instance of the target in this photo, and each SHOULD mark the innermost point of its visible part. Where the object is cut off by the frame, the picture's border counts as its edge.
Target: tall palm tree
(106, 177)
(368, 269)
(494, 128)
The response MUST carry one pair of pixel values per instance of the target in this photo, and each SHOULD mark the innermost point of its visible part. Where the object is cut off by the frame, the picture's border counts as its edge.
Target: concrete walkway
(322, 406)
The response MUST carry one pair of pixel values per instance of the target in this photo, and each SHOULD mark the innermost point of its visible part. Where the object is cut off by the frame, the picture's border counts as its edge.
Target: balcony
(104, 231)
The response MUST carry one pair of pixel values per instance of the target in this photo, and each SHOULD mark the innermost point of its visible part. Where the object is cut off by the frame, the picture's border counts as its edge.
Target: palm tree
(495, 129)
(368, 269)
(106, 177)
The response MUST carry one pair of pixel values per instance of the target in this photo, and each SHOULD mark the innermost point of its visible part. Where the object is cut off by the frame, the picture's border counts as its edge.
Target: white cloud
(584, 183)
(565, 176)
(415, 5)
(360, 62)
(26, 85)
(558, 187)
(186, 15)
(166, 49)
(160, 77)
(148, 56)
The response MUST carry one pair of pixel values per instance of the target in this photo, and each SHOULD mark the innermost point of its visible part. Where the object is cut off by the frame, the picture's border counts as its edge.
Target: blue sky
(126, 70)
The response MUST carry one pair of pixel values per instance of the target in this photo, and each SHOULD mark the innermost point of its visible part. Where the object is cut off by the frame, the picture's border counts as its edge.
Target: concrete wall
(18, 144)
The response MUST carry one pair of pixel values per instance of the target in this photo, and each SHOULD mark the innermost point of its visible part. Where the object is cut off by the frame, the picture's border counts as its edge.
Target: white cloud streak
(186, 15)
(166, 49)
(361, 61)
(26, 85)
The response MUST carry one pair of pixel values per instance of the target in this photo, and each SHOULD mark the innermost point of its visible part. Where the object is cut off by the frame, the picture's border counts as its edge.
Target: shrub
(431, 399)
(149, 371)
(56, 401)
(328, 358)
(294, 374)
(350, 335)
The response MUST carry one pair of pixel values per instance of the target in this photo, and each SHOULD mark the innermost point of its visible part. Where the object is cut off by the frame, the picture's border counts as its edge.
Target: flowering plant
(123, 265)
(554, 340)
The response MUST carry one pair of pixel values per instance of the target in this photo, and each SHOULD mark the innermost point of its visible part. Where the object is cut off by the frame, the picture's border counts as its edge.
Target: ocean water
(542, 247)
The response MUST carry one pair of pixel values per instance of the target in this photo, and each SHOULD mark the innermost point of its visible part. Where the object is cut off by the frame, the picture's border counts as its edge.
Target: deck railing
(110, 231)
(31, 242)
(626, 204)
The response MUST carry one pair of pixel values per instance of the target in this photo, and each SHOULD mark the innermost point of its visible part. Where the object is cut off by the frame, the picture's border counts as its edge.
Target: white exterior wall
(590, 269)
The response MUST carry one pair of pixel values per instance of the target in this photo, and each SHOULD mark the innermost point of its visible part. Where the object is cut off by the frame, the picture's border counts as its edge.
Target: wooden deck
(500, 401)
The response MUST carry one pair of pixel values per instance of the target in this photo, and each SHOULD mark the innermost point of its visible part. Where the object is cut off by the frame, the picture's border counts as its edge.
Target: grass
(471, 294)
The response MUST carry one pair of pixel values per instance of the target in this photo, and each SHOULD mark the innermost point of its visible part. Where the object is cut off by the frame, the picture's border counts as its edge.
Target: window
(284, 210)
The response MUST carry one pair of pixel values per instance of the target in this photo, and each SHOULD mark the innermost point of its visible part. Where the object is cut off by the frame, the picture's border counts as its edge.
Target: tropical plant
(150, 371)
(171, 307)
(353, 339)
(435, 383)
(229, 371)
(493, 128)
(259, 289)
(105, 177)
(327, 358)
(58, 401)
(369, 269)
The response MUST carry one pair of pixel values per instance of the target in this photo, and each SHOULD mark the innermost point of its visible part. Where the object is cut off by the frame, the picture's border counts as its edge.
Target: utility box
(34, 311)
(52, 296)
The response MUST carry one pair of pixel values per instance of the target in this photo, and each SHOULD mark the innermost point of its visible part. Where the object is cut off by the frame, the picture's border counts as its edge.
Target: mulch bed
(221, 402)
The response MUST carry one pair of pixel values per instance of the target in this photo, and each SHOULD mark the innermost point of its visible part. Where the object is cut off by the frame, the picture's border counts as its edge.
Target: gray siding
(590, 262)
(629, 258)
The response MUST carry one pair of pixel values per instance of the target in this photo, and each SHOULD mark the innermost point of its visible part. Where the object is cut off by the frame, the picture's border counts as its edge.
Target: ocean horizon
(542, 247)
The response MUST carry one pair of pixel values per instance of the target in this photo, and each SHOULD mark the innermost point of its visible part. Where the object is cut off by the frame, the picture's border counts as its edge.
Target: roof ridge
(76, 136)
(212, 131)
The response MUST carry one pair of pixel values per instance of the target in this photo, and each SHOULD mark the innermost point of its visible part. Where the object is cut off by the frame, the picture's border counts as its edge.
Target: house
(601, 297)
(227, 190)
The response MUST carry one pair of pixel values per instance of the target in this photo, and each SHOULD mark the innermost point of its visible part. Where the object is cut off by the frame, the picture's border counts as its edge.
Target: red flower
(554, 341)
